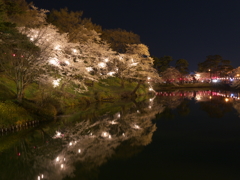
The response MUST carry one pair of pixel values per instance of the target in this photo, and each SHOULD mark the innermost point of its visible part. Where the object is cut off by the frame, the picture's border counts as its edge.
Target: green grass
(45, 103)
(11, 113)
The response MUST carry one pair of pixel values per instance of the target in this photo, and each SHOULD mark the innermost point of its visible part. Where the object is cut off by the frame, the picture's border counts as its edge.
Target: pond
(174, 135)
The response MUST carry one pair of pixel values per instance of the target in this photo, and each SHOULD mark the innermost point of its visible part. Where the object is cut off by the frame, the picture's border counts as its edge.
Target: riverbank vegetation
(50, 60)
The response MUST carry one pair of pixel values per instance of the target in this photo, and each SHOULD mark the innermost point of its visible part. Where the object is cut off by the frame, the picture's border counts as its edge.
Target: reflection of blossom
(132, 125)
(58, 135)
(91, 143)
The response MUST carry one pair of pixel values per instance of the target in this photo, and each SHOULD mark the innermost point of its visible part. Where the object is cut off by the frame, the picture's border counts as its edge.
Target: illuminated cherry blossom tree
(236, 82)
(171, 75)
(142, 63)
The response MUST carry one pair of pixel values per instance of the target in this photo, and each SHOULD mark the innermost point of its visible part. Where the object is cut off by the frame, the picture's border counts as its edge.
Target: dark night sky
(188, 29)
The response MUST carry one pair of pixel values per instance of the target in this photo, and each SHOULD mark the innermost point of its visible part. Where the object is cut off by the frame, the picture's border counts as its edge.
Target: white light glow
(89, 69)
(110, 73)
(70, 144)
(136, 126)
(74, 50)
(198, 98)
(113, 122)
(106, 60)
(62, 166)
(67, 62)
(105, 134)
(133, 64)
(57, 47)
(56, 83)
(79, 150)
(102, 65)
(57, 159)
(54, 61)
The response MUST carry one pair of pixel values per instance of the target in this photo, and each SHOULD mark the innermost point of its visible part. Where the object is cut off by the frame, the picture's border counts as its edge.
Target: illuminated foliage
(171, 75)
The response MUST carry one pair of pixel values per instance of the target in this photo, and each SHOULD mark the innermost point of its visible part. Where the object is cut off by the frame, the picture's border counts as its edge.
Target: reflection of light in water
(149, 107)
(226, 99)
(150, 99)
(105, 138)
(38, 177)
(210, 97)
(198, 98)
(113, 122)
(104, 134)
(136, 126)
(63, 159)
(57, 159)
(58, 135)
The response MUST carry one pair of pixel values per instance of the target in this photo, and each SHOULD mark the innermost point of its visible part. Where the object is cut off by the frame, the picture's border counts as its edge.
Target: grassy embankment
(45, 103)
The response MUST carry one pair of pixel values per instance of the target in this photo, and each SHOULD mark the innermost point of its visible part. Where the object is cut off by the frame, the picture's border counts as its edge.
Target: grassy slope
(45, 102)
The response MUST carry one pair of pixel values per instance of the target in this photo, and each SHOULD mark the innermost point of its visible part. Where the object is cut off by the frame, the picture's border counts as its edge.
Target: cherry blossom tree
(171, 75)
(236, 82)
(142, 65)
(19, 60)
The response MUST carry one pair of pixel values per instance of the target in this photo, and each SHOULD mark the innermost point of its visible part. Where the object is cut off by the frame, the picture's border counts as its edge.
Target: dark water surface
(192, 135)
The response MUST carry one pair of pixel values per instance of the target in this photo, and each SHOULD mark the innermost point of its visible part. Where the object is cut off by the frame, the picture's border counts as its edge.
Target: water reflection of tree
(181, 103)
(87, 144)
(183, 109)
(216, 107)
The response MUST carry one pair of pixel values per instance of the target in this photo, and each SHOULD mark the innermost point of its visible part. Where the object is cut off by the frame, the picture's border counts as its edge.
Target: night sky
(188, 29)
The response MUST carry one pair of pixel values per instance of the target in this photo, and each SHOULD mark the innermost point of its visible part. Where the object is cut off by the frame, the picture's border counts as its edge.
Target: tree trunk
(63, 86)
(136, 88)
(20, 91)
